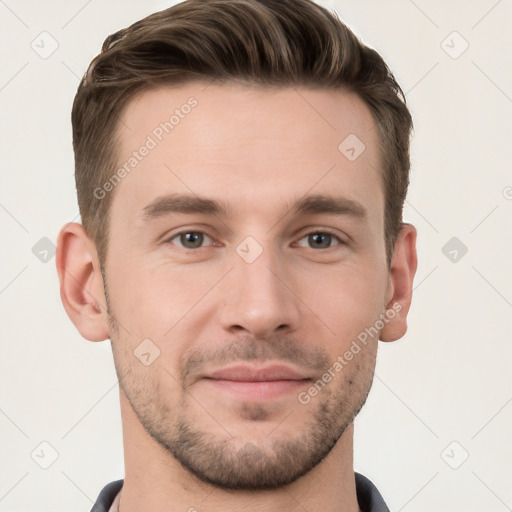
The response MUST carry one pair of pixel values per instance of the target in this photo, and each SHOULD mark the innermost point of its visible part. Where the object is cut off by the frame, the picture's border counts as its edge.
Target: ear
(401, 275)
(81, 282)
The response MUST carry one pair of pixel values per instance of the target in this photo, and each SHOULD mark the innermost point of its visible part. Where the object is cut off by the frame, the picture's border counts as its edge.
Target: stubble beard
(233, 462)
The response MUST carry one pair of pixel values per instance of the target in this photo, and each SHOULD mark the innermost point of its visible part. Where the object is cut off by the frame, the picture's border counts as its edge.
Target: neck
(156, 481)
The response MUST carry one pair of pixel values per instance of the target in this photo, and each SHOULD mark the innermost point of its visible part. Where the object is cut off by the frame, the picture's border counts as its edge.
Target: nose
(258, 297)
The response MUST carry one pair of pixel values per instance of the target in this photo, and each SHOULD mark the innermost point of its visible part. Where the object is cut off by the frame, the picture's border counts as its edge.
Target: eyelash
(317, 232)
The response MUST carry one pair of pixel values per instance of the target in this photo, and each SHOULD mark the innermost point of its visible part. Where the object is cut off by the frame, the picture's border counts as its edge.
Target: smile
(252, 383)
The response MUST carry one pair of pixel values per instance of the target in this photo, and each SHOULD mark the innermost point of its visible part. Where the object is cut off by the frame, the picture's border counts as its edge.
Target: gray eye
(319, 240)
(190, 239)
(322, 240)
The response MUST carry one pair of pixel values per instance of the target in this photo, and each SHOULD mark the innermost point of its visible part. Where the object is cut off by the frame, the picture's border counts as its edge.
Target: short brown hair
(262, 42)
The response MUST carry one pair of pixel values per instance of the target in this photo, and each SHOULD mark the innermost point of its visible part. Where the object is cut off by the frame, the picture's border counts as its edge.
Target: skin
(189, 442)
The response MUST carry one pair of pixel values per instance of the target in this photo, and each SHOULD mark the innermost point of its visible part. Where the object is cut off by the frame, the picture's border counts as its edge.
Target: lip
(257, 383)
(247, 373)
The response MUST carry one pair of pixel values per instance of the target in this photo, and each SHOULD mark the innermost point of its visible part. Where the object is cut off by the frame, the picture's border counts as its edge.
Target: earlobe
(81, 282)
(401, 275)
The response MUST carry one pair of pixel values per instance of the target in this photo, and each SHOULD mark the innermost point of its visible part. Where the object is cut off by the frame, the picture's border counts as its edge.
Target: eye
(319, 240)
(190, 239)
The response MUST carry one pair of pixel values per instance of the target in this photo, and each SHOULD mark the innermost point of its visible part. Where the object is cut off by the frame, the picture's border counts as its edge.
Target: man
(241, 168)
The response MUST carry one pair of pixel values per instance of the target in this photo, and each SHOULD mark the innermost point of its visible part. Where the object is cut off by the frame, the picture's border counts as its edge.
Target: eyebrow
(317, 204)
(182, 203)
(189, 204)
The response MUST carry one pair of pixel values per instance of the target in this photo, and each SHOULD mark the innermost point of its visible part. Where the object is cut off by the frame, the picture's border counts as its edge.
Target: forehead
(255, 149)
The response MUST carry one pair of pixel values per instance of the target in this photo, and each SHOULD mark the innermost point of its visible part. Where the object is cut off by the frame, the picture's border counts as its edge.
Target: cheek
(157, 302)
(160, 300)
(346, 301)
(149, 310)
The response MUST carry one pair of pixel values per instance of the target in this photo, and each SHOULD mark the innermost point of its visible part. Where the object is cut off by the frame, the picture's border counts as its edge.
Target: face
(246, 254)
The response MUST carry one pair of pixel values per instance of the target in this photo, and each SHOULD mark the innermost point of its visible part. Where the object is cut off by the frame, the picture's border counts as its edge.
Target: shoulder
(368, 496)
(107, 496)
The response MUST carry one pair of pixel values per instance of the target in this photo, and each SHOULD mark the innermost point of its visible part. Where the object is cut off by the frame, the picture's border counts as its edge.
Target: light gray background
(442, 393)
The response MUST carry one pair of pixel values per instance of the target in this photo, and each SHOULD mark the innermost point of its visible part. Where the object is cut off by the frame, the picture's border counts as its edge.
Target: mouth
(257, 383)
